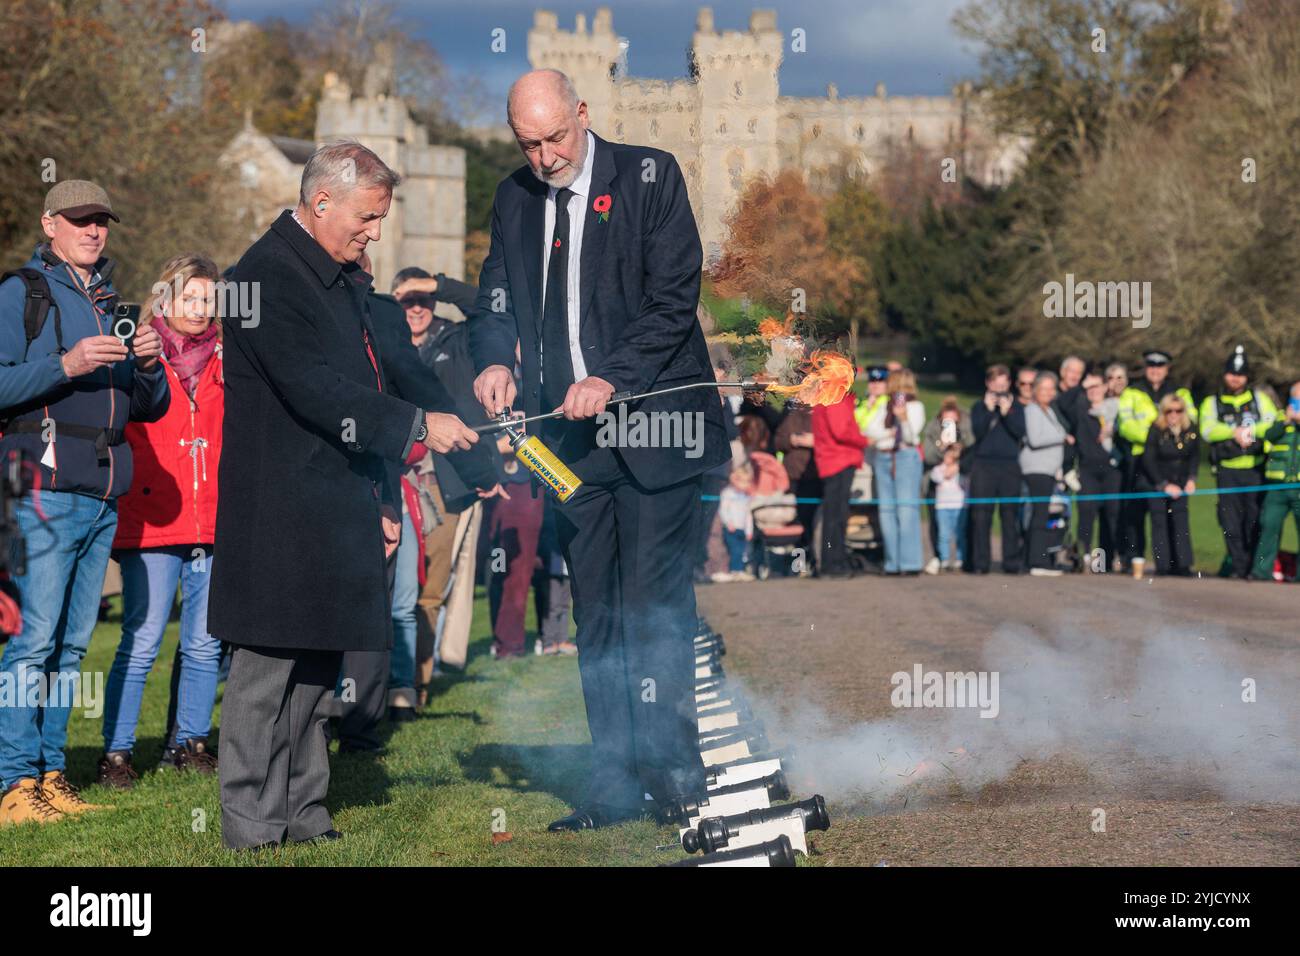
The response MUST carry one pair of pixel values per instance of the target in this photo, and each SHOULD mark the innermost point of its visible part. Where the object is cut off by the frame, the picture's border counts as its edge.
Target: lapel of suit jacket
(533, 226)
(603, 172)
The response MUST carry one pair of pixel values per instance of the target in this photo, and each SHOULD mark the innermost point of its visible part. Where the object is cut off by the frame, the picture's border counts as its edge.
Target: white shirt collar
(582, 185)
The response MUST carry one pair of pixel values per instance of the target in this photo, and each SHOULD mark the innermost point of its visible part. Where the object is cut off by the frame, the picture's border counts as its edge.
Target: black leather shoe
(593, 818)
(329, 836)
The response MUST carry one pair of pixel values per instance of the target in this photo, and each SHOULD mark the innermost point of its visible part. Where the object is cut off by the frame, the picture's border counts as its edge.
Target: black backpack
(36, 308)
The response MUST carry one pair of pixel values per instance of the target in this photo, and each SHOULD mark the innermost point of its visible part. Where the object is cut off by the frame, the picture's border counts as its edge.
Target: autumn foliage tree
(789, 247)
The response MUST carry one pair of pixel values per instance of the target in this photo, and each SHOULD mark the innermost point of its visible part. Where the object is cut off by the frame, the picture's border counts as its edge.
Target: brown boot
(195, 755)
(23, 803)
(59, 793)
(115, 770)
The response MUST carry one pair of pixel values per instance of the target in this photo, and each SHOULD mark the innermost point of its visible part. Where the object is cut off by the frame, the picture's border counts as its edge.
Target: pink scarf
(188, 355)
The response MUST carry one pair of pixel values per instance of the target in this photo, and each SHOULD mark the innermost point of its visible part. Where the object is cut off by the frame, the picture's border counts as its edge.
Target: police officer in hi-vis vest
(1234, 422)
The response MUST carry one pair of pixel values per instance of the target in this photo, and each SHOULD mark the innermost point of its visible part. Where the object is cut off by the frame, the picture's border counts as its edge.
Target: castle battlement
(727, 122)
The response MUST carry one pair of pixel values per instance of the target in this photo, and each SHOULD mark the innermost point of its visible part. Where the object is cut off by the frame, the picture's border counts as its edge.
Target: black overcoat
(311, 445)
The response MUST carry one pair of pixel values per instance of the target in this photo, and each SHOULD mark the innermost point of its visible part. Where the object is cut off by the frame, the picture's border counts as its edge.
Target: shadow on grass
(558, 769)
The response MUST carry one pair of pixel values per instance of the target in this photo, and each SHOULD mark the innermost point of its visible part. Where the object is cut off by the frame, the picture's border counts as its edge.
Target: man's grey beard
(573, 168)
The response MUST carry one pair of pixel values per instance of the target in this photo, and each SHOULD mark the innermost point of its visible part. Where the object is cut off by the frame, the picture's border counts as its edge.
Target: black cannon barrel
(752, 758)
(716, 832)
(742, 712)
(713, 739)
(713, 774)
(779, 852)
(680, 813)
(778, 788)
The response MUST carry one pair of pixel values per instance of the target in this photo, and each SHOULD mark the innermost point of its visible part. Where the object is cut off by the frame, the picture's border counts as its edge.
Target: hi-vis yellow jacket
(1138, 409)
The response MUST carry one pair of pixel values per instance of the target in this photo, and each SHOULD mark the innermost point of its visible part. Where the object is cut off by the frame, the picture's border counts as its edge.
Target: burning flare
(829, 378)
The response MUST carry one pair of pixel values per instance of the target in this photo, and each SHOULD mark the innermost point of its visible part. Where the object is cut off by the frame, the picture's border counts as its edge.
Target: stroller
(863, 539)
(1061, 546)
(777, 533)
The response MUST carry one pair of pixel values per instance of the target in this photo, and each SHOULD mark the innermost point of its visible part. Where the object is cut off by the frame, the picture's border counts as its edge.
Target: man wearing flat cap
(1234, 422)
(1139, 406)
(67, 390)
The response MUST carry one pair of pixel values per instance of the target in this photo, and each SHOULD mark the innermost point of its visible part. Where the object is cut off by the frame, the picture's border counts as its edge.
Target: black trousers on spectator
(1239, 516)
(1133, 513)
(1106, 482)
(835, 522)
(1171, 534)
(994, 479)
(809, 485)
(1040, 488)
(711, 486)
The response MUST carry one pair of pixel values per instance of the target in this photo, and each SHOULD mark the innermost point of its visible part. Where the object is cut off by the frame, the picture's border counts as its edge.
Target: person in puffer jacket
(166, 527)
(67, 392)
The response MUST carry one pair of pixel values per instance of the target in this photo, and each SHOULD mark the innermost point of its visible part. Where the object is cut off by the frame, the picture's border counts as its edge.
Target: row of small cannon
(740, 821)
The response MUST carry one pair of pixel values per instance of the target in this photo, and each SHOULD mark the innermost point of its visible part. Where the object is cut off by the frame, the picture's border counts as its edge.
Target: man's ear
(47, 224)
(583, 116)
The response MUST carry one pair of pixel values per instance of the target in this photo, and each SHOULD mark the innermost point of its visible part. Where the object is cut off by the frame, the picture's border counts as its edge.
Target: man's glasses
(417, 301)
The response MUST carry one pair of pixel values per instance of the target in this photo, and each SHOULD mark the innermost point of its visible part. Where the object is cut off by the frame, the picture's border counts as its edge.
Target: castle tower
(737, 76)
(426, 222)
(588, 58)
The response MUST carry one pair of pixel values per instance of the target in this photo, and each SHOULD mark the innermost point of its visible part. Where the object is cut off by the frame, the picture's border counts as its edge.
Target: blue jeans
(952, 523)
(737, 549)
(149, 579)
(900, 510)
(406, 592)
(67, 556)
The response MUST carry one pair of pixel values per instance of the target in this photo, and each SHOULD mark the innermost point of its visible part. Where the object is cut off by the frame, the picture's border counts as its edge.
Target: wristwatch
(422, 430)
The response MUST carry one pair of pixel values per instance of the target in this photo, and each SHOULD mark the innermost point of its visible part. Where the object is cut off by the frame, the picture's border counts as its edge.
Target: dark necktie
(557, 366)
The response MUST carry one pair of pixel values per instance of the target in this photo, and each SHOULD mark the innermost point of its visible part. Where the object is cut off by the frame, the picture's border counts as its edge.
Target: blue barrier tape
(1026, 499)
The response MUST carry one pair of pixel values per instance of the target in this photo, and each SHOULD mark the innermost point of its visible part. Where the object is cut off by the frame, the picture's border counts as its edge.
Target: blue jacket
(37, 388)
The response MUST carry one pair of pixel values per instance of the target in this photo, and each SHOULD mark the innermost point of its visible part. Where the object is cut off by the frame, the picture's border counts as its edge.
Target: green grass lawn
(502, 744)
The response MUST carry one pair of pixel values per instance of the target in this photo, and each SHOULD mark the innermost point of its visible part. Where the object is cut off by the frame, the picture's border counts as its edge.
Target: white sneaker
(932, 566)
(721, 577)
(1046, 572)
(742, 576)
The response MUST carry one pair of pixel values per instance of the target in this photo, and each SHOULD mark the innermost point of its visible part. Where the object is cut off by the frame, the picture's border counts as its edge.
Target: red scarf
(188, 355)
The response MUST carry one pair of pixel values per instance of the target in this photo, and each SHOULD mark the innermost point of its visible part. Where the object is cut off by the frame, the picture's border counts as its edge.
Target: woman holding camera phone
(166, 527)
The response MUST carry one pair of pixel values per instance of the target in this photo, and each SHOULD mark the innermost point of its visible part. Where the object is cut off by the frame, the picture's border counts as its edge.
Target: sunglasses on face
(417, 300)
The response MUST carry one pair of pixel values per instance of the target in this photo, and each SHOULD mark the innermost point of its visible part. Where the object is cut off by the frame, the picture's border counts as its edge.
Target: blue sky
(907, 44)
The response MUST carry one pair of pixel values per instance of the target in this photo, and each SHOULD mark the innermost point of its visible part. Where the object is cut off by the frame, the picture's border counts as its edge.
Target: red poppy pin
(601, 206)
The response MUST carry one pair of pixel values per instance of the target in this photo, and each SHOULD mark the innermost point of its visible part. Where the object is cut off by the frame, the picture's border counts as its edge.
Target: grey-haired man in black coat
(309, 508)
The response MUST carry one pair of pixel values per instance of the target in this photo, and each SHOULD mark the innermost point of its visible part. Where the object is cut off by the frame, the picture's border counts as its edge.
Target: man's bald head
(550, 124)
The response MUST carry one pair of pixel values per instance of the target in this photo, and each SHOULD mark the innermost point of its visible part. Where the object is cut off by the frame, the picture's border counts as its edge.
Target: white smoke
(1163, 717)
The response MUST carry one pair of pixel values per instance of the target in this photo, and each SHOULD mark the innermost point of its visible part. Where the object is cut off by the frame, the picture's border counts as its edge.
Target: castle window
(858, 132)
(736, 87)
(618, 131)
(816, 130)
(654, 129)
(753, 124)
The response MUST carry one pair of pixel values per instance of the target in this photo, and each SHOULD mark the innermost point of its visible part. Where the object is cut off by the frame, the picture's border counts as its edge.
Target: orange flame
(829, 378)
(770, 328)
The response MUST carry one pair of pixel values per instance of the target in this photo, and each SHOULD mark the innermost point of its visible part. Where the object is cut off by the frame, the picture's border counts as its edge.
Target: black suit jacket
(310, 451)
(640, 289)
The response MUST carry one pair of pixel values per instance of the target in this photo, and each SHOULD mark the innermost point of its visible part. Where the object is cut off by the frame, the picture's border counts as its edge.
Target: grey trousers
(274, 768)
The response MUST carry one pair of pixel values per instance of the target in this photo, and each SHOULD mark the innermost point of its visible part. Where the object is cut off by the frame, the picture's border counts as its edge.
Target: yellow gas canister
(542, 462)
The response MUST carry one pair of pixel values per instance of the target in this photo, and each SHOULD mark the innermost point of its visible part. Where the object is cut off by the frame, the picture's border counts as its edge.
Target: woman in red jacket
(165, 528)
(837, 451)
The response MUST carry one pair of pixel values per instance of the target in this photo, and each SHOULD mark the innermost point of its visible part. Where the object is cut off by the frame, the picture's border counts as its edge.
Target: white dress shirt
(578, 204)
